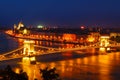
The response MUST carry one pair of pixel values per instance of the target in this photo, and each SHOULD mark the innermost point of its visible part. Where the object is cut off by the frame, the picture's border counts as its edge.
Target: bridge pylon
(28, 47)
(104, 41)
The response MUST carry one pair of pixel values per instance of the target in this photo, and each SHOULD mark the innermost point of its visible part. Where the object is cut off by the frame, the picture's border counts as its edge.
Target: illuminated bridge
(29, 49)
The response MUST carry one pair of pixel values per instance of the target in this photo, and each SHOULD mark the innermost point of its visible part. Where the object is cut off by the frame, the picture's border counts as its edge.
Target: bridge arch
(29, 47)
(104, 41)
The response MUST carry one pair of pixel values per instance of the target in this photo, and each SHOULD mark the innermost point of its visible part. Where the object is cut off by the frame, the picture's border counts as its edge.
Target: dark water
(7, 43)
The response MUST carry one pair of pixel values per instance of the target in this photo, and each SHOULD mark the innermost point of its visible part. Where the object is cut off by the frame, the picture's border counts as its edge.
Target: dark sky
(60, 12)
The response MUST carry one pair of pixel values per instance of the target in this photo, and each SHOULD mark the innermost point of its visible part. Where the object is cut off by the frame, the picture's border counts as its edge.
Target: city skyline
(64, 13)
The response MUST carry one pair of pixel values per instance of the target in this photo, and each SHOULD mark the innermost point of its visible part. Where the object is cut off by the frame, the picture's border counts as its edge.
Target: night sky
(60, 12)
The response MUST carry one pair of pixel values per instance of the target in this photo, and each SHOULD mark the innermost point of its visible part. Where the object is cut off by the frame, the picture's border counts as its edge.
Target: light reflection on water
(100, 67)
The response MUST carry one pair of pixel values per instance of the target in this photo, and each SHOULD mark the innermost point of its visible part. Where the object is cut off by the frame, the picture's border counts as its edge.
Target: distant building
(21, 29)
(93, 37)
(114, 34)
(69, 37)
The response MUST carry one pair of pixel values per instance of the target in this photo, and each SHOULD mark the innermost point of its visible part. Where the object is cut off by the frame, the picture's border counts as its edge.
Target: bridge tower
(104, 41)
(28, 47)
(104, 44)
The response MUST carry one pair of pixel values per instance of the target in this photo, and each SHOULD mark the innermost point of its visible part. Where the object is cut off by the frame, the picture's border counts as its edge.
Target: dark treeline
(47, 74)
(9, 74)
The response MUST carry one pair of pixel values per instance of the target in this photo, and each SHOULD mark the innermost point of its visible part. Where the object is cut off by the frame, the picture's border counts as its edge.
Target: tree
(9, 74)
(49, 74)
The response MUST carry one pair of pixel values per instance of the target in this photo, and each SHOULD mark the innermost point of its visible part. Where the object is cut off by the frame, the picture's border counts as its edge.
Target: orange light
(102, 49)
(69, 37)
(91, 39)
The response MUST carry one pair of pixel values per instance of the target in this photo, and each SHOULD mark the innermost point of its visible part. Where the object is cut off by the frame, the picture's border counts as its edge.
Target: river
(69, 65)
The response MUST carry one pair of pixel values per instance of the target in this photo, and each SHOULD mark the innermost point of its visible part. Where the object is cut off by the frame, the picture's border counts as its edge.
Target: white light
(39, 26)
(108, 49)
(104, 37)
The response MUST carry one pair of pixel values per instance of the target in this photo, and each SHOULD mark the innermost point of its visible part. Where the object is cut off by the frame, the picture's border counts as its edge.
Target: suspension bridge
(28, 49)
